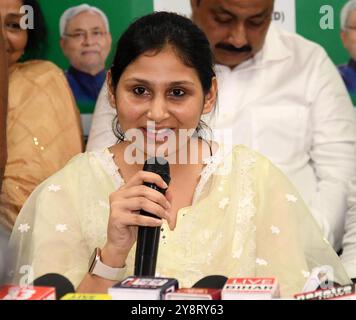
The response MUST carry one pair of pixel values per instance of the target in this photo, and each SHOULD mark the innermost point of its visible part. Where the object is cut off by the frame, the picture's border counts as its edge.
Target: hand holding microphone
(125, 206)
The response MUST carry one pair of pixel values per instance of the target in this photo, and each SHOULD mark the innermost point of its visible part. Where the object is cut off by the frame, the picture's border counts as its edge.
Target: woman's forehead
(165, 63)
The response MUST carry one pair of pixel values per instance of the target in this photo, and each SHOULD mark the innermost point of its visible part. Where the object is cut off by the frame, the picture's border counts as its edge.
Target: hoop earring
(119, 134)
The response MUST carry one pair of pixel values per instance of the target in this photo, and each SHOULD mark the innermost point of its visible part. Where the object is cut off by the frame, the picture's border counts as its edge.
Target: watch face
(93, 259)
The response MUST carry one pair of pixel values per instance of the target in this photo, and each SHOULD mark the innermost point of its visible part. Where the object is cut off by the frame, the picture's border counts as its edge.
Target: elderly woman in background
(43, 126)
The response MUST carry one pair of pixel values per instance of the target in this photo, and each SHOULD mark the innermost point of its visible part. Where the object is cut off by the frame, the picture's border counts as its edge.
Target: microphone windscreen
(59, 282)
(213, 282)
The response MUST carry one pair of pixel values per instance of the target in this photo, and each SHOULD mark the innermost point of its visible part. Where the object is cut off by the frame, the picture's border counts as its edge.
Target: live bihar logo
(251, 284)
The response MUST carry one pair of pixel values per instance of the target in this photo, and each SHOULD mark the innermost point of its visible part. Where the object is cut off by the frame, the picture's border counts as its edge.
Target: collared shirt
(348, 73)
(85, 87)
(289, 103)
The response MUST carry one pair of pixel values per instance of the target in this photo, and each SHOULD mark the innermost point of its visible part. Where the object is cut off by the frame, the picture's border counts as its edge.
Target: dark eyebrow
(223, 11)
(145, 82)
(174, 83)
(16, 15)
(182, 83)
(259, 15)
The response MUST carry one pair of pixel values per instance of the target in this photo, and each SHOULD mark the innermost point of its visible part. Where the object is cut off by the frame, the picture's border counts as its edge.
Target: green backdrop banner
(309, 21)
(310, 24)
(122, 12)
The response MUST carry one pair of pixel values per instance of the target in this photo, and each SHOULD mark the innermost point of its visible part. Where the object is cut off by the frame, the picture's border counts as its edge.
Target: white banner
(284, 14)
(178, 6)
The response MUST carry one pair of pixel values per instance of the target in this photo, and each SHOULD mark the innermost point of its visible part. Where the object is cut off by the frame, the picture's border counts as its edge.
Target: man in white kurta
(288, 102)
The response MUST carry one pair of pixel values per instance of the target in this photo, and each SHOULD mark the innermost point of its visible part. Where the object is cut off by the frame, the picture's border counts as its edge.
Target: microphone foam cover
(59, 282)
(213, 282)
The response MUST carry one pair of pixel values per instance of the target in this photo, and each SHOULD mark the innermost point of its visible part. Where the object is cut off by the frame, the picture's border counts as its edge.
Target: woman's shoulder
(252, 161)
(82, 171)
(92, 160)
(243, 153)
(74, 167)
(38, 66)
(36, 70)
(243, 159)
(92, 163)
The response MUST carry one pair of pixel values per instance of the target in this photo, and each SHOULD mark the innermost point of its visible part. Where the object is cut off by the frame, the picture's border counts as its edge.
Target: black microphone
(212, 282)
(207, 288)
(148, 237)
(59, 282)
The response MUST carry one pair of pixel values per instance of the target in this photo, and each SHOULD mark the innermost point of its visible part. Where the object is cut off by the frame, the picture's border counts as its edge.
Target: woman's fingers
(169, 196)
(144, 176)
(135, 196)
(133, 219)
(140, 203)
(148, 193)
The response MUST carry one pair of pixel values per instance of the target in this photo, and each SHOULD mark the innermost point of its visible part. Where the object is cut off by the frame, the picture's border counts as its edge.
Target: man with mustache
(86, 42)
(236, 29)
(281, 95)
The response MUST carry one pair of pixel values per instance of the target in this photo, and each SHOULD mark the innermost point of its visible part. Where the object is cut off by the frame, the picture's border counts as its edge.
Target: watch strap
(104, 271)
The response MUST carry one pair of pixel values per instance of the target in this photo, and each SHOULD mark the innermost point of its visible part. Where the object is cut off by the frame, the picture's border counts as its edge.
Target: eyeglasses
(82, 35)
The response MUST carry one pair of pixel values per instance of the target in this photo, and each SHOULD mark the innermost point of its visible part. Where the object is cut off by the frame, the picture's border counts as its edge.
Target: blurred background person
(293, 106)
(3, 103)
(3, 152)
(348, 37)
(281, 95)
(86, 43)
(4, 256)
(348, 256)
(43, 127)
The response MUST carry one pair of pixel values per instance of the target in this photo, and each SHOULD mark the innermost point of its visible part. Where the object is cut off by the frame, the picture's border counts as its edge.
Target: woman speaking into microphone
(227, 210)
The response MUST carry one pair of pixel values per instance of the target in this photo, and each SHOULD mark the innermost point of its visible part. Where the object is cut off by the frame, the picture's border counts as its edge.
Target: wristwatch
(98, 268)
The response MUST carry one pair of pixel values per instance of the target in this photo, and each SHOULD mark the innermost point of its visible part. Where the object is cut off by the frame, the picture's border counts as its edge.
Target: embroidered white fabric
(233, 239)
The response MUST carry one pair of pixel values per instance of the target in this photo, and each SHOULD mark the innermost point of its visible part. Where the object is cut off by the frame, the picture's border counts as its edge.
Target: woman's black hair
(37, 37)
(154, 32)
